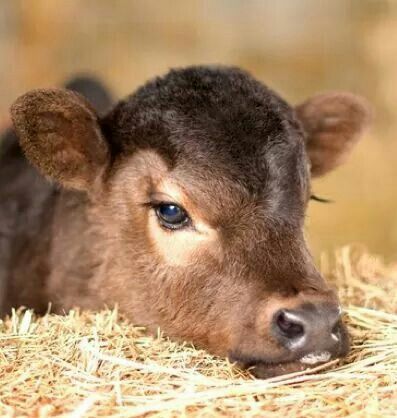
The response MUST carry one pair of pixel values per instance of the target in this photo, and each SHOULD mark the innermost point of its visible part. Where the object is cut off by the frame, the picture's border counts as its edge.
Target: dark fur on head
(222, 146)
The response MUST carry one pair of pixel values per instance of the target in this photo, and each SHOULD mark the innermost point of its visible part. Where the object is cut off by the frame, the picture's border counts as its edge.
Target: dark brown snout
(313, 333)
(294, 334)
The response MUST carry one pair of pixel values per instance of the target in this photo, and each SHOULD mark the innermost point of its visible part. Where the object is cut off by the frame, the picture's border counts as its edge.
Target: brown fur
(344, 118)
(241, 172)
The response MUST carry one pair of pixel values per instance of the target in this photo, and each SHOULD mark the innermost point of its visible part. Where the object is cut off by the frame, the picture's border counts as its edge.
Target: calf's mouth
(267, 368)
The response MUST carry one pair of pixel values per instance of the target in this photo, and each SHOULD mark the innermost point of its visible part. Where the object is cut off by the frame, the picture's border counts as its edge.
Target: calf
(184, 205)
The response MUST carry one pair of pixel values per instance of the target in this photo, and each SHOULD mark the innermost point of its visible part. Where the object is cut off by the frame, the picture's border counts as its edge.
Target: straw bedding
(97, 364)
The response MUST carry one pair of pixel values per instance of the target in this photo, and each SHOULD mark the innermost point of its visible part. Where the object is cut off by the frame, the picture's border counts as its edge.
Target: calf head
(199, 183)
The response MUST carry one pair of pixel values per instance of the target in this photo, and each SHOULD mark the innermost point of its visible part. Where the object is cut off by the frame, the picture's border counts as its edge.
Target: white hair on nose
(314, 358)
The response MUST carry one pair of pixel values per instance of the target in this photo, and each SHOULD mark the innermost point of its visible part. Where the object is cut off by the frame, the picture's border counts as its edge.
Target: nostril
(289, 325)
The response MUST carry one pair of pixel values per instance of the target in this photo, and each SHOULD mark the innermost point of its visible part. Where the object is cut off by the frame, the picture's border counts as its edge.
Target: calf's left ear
(59, 133)
(333, 123)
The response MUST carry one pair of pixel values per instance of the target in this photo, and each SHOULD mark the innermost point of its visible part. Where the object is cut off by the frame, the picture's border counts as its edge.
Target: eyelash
(153, 204)
(320, 199)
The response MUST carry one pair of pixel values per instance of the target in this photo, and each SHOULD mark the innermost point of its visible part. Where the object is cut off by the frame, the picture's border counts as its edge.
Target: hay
(97, 364)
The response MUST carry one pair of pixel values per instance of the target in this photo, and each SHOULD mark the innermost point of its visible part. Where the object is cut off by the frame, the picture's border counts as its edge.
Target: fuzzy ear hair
(333, 122)
(59, 133)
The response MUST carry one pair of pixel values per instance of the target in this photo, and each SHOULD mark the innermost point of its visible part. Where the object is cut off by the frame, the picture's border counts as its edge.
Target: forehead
(218, 194)
(215, 125)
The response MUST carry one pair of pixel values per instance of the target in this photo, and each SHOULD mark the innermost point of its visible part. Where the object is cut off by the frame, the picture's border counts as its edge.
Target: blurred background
(297, 47)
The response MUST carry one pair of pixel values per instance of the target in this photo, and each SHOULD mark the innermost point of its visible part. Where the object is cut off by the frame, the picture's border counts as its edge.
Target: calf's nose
(314, 332)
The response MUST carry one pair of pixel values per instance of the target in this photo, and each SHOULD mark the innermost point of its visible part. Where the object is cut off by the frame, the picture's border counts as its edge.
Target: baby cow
(184, 205)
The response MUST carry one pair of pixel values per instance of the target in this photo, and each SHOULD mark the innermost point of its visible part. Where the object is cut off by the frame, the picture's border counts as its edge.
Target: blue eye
(172, 216)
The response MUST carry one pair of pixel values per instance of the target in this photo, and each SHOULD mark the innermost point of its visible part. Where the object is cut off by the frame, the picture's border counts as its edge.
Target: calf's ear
(59, 133)
(333, 123)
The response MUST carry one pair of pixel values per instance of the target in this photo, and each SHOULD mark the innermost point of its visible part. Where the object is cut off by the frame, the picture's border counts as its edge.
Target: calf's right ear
(59, 132)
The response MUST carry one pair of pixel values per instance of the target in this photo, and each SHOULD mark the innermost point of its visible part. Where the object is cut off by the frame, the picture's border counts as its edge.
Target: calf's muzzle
(313, 332)
(294, 333)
